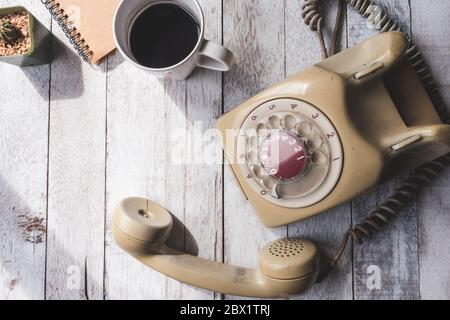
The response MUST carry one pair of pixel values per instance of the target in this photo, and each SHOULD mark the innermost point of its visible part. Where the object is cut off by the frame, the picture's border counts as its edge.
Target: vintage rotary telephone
(305, 145)
(334, 131)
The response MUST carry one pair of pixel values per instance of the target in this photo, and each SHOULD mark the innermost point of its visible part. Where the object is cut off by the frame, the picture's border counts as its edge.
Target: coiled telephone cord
(384, 214)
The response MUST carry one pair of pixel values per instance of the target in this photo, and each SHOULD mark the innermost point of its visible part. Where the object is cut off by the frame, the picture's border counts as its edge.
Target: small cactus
(9, 33)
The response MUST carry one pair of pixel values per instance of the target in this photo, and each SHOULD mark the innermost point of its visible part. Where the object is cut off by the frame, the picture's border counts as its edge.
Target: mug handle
(214, 56)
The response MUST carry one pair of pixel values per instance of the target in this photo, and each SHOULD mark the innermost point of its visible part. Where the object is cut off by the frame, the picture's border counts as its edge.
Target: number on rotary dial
(284, 155)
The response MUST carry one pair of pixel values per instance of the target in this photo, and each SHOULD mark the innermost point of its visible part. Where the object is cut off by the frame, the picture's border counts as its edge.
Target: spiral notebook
(87, 24)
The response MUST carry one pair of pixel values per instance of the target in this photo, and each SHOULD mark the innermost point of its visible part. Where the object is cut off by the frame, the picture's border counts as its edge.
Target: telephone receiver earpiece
(287, 267)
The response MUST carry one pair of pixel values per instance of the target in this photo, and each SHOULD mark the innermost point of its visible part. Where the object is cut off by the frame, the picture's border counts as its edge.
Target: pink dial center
(283, 155)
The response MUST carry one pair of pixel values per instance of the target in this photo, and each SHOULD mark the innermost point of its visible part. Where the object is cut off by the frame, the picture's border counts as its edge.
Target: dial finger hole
(314, 142)
(257, 171)
(303, 129)
(318, 159)
(289, 122)
(268, 182)
(274, 122)
(253, 142)
(261, 126)
(252, 158)
(262, 129)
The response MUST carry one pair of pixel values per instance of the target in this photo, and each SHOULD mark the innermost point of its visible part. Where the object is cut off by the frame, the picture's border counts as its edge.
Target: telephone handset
(287, 267)
(332, 132)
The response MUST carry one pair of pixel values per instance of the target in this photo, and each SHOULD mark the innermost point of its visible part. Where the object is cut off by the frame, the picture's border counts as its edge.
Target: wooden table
(75, 141)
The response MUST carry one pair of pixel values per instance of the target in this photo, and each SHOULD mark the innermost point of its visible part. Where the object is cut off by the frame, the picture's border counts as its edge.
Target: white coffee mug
(206, 54)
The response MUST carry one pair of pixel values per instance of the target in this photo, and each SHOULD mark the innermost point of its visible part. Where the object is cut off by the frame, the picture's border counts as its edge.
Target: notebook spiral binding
(71, 32)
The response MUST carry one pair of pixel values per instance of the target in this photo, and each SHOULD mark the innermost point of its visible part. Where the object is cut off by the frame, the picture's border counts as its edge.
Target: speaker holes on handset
(286, 248)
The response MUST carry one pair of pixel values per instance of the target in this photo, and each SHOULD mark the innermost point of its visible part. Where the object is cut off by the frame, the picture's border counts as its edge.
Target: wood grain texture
(253, 29)
(203, 215)
(431, 32)
(76, 176)
(98, 136)
(153, 148)
(134, 167)
(23, 174)
(395, 250)
(326, 230)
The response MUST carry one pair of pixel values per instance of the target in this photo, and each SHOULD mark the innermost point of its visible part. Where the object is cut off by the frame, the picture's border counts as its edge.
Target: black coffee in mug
(163, 35)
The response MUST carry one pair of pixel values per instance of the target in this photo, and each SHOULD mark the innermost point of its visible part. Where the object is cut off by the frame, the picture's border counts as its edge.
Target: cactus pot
(40, 51)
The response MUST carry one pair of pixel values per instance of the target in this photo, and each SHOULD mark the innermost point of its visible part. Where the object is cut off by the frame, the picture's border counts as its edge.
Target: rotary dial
(290, 153)
(284, 155)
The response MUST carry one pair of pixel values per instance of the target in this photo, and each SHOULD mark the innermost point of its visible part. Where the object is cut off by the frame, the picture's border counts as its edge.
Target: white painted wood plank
(394, 251)
(431, 31)
(204, 181)
(76, 177)
(255, 31)
(144, 117)
(137, 106)
(135, 167)
(23, 174)
(326, 230)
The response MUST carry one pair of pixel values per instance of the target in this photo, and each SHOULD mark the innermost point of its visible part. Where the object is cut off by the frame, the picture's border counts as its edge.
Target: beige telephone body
(307, 144)
(332, 132)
